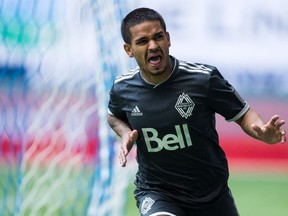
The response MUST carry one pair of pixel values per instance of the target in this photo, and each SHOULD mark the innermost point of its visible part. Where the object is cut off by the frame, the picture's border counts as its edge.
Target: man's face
(150, 47)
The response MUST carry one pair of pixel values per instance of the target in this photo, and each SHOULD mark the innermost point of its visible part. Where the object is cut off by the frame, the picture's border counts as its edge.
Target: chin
(157, 71)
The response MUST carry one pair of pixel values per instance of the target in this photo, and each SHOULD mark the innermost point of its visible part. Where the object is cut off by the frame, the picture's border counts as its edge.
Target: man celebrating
(167, 106)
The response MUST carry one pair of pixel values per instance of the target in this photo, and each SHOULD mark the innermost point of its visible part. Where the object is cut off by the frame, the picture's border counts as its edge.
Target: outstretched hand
(271, 132)
(127, 144)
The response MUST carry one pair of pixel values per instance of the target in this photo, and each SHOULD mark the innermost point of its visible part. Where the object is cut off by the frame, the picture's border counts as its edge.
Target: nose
(152, 45)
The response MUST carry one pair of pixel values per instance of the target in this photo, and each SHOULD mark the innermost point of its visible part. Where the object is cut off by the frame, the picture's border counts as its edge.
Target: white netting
(57, 61)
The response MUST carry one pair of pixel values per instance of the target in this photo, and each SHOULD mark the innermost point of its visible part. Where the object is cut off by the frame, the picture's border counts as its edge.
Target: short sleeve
(224, 99)
(114, 107)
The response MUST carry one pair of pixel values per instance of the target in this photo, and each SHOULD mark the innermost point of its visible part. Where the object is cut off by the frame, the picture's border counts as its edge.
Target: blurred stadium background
(57, 63)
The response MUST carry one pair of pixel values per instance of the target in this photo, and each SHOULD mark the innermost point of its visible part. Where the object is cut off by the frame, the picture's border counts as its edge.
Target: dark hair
(136, 17)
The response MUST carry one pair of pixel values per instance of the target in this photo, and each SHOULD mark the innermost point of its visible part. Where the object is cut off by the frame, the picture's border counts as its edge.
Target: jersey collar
(173, 73)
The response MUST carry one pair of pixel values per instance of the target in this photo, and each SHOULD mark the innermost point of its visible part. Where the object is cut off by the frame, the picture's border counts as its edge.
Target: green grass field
(257, 194)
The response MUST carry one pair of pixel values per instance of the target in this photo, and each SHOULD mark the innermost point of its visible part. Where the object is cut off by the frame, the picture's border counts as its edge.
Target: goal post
(57, 153)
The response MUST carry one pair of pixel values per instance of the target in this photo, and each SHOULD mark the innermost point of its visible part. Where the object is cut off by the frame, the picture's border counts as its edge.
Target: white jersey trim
(240, 114)
(110, 113)
(162, 213)
(127, 75)
(194, 68)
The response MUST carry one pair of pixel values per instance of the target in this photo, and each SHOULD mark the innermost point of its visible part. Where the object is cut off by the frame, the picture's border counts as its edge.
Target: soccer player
(167, 106)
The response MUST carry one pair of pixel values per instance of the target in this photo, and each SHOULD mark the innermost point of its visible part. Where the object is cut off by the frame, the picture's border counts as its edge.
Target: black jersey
(178, 152)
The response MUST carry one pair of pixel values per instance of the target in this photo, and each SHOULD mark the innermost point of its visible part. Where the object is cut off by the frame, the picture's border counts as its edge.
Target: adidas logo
(136, 112)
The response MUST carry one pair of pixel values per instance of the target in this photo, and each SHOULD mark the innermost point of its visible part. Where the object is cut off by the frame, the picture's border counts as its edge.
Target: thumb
(257, 129)
(133, 136)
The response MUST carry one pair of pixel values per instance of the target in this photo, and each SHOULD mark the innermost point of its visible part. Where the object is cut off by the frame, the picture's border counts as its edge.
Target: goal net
(57, 153)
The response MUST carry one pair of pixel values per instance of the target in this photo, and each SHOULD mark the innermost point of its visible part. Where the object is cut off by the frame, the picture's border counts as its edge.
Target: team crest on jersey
(146, 205)
(184, 105)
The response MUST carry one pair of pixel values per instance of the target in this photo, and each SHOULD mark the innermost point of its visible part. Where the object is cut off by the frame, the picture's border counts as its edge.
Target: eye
(158, 36)
(141, 41)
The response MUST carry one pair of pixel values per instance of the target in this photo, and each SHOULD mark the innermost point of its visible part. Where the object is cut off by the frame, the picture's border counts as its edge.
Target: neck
(160, 77)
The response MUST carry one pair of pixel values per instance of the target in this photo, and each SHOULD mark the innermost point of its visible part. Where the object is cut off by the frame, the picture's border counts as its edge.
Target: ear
(128, 50)
(168, 38)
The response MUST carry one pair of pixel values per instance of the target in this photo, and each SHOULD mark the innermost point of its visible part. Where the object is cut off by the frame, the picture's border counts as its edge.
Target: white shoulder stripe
(162, 213)
(193, 68)
(127, 75)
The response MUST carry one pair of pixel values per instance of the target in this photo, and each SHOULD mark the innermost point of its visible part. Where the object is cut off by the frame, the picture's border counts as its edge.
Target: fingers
(122, 157)
(133, 136)
(283, 136)
(273, 120)
(279, 123)
(272, 132)
(126, 147)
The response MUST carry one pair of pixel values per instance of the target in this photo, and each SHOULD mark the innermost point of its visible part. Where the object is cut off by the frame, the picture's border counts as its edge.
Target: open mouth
(155, 60)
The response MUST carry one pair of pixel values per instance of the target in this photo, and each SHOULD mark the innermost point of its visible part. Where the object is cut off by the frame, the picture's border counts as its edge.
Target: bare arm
(271, 132)
(128, 137)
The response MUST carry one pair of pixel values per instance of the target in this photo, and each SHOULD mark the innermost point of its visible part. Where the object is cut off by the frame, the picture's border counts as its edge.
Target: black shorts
(155, 204)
